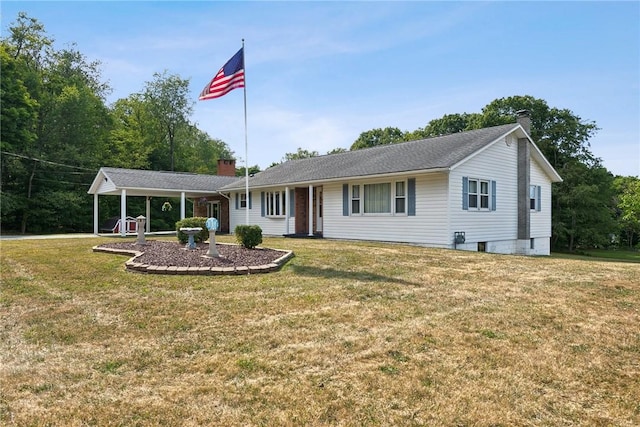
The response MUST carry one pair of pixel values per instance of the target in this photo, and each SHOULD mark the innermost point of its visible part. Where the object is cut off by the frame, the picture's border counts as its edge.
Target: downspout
(311, 210)
(182, 205)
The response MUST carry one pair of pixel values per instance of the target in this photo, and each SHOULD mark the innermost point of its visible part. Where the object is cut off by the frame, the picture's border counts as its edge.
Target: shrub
(196, 221)
(249, 236)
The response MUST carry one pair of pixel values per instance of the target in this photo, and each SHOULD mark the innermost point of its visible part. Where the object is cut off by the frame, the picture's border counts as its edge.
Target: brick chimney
(523, 117)
(226, 167)
(524, 178)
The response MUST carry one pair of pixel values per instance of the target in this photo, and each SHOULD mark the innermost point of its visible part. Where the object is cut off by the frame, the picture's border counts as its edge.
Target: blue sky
(320, 73)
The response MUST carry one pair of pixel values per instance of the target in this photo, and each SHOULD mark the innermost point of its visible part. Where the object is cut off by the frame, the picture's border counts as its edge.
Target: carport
(144, 183)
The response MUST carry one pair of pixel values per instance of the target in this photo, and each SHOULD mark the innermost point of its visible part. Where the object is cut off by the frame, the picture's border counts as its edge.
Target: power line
(47, 161)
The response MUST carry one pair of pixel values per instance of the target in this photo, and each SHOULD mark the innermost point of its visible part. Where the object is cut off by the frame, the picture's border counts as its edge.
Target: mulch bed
(164, 253)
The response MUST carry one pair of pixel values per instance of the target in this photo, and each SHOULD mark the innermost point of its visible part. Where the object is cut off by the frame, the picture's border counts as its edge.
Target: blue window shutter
(237, 200)
(345, 199)
(292, 203)
(538, 198)
(465, 193)
(249, 200)
(493, 195)
(262, 207)
(411, 193)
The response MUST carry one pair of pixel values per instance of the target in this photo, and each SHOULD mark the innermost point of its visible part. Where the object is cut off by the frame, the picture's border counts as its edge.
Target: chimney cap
(523, 113)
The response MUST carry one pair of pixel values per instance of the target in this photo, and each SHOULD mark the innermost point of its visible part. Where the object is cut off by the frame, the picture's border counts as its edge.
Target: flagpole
(246, 144)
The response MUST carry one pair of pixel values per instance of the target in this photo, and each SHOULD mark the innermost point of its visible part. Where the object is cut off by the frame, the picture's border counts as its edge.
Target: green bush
(196, 221)
(248, 236)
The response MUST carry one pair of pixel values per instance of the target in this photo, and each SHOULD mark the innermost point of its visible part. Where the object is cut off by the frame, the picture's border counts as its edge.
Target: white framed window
(355, 199)
(276, 203)
(243, 200)
(473, 194)
(534, 197)
(401, 197)
(379, 198)
(478, 194)
(484, 194)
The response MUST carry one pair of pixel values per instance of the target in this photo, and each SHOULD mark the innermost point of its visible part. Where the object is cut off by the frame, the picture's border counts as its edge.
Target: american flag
(230, 76)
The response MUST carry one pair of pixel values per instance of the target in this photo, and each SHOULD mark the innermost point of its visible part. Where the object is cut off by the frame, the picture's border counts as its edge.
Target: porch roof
(111, 181)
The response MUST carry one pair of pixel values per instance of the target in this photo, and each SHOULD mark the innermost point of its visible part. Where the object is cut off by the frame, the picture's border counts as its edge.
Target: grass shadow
(332, 273)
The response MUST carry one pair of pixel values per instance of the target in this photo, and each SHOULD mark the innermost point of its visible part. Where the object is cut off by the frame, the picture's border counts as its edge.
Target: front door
(213, 211)
(301, 202)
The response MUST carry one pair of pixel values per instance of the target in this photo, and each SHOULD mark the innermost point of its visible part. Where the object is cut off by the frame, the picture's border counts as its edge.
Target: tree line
(57, 130)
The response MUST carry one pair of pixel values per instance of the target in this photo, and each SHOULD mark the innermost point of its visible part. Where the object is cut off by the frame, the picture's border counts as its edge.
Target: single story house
(482, 190)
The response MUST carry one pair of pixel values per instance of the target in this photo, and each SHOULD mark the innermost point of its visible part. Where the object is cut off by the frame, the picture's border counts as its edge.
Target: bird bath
(191, 231)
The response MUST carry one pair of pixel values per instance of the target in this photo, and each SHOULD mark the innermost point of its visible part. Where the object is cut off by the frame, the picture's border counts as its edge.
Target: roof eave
(341, 179)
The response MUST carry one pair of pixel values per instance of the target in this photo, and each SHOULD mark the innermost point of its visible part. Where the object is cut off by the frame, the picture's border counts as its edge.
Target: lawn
(347, 333)
(603, 254)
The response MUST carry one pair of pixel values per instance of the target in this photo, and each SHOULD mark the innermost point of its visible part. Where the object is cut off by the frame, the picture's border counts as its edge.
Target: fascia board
(340, 179)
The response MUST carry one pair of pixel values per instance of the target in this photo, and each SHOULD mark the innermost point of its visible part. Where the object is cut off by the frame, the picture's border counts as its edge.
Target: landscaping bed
(163, 257)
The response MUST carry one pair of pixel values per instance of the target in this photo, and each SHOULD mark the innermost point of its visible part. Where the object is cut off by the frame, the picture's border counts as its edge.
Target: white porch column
(123, 212)
(182, 205)
(148, 215)
(95, 213)
(286, 209)
(311, 210)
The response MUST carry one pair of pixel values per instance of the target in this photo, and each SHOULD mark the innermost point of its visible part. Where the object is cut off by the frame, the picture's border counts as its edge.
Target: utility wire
(47, 161)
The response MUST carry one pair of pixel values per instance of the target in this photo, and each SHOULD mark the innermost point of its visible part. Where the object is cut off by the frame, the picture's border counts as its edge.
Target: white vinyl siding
(498, 163)
(540, 221)
(428, 225)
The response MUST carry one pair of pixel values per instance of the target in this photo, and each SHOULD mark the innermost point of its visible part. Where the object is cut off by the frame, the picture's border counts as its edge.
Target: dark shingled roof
(180, 181)
(425, 154)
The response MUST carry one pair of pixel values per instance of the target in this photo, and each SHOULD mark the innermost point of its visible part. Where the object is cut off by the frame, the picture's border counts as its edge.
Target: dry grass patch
(345, 334)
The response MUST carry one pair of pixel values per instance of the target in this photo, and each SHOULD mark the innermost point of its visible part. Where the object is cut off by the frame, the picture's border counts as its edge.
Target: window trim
(489, 196)
(275, 204)
(537, 193)
(393, 198)
(239, 201)
(357, 199)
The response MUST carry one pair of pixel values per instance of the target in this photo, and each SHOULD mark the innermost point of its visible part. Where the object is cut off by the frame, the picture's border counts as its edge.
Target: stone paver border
(138, 267)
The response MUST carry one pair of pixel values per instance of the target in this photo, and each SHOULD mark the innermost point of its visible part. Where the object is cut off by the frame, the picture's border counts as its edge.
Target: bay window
(275, 203)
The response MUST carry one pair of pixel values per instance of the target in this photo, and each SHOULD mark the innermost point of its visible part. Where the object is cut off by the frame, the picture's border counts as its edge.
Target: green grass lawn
(603, 254)
(346, 333)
